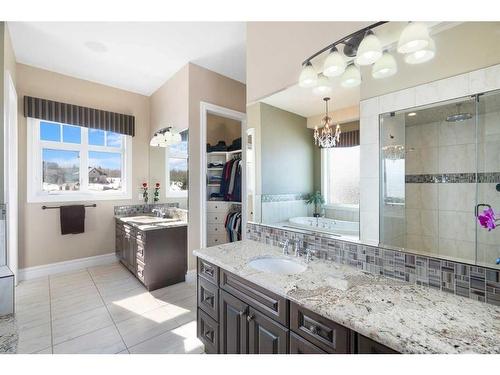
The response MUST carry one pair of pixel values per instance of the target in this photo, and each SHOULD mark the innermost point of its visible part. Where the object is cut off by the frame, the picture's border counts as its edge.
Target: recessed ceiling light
(96, 47)
(411, 114)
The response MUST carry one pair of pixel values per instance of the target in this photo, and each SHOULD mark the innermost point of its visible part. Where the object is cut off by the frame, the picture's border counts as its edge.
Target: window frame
(35, 192)
(170, 193)
(324, 187)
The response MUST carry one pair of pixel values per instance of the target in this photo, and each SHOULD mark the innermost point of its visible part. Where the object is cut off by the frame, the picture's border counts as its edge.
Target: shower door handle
(481, 205)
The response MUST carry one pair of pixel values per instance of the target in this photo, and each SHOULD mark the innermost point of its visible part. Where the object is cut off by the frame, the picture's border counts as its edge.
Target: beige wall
(275, 51)
(222, 129)
(210, 87)
(170, 103)
(40, 239)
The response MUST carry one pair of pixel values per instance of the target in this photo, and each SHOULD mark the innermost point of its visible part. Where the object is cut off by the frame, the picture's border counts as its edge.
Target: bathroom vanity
(328, 308)
(153, 249)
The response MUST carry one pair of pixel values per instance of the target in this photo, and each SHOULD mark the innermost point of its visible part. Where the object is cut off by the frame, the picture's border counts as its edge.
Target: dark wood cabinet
(368, 346)
(157, 257)
(233, 325)
(235, 316)
(299, 345)
(265, 336)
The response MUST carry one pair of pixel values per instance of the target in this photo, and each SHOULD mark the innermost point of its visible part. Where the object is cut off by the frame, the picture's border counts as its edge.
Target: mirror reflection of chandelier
(166, 137)
(394, 152)
(329, 134)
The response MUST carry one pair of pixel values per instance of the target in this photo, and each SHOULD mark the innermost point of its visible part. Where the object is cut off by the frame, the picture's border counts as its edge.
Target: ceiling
(303, 102)
(133, 56)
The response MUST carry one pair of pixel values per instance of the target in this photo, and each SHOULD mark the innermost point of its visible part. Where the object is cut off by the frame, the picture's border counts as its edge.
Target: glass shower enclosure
(440, 169)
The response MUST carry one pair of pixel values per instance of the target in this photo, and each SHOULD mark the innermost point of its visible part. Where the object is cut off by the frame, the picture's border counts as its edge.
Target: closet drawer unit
(208, 271)
(265, 301)
(216, 240)
(217, 206)
(208, 298)
(208, 332)
(216, 217)
(216, 229)
(329, 336)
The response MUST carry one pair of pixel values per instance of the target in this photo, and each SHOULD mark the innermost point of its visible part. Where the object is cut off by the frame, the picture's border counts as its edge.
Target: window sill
(78, 197)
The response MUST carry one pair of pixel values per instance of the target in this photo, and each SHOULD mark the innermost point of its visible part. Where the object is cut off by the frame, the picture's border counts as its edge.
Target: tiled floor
(105, 310)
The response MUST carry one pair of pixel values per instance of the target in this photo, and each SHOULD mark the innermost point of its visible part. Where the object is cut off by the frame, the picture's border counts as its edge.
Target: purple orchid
(487, 219)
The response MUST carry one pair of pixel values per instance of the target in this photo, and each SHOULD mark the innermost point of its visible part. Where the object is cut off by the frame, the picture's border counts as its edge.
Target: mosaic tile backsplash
(479, 283)
(141, 208)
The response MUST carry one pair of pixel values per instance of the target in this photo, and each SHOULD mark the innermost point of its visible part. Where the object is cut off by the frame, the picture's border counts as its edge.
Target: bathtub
(340, 227)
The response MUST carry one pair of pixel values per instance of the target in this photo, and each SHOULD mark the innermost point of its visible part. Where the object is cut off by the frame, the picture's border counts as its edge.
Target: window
(340, 175)
(177, 168)
(69, 162)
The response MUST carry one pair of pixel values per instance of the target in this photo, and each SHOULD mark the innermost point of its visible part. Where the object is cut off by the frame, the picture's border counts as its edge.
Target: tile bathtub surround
(478, 283)
(141, 208)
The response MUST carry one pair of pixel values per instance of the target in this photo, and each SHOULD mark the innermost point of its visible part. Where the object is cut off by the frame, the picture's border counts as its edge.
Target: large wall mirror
(418, 159)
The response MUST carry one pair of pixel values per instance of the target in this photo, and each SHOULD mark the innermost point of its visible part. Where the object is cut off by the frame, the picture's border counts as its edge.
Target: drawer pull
(313, 329)
(207, 270)
(250, 317)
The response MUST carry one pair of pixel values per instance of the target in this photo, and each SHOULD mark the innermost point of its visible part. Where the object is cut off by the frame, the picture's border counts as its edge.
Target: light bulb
(385, 66)
(334, 64)
(351, 77)
(414, 37)
(308, 76)
(369, 50)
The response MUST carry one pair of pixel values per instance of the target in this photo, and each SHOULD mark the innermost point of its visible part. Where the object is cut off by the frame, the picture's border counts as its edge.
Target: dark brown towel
(72, 219)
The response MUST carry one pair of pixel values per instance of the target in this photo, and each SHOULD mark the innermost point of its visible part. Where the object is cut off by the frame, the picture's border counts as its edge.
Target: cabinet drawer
(216, 217)
(216, 240)
(217, 206)
(208, 298)
(368, 346)
(216, 230)
(266, 302)
(329, 336)
(208, 271)
(299, 345)
(208, 332)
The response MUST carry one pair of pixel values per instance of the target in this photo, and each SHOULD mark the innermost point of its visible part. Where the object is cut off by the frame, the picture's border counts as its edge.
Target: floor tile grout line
(106, 307)
(50, 316)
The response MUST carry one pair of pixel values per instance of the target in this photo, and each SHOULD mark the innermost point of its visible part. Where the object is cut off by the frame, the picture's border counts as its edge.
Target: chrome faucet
(309, 254)
(297, 251)
(285, 245)
(157, 212)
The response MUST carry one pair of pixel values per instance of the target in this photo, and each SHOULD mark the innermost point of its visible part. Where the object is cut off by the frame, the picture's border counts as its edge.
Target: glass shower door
(488, 176)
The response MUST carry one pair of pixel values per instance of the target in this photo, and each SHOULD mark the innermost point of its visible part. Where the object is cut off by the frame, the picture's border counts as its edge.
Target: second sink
(277, 265)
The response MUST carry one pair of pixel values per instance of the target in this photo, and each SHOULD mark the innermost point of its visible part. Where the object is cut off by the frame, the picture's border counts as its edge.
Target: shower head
(459, 116)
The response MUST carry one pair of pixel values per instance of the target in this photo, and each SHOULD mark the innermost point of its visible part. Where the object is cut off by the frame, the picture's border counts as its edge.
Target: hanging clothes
(233, 226)
(231, 180)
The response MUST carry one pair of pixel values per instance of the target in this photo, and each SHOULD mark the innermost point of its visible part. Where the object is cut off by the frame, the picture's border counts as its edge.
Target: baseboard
(66, 266)
(191, 276)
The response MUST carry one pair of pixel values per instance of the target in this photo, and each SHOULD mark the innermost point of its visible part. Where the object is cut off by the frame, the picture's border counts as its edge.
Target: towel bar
(49, 208)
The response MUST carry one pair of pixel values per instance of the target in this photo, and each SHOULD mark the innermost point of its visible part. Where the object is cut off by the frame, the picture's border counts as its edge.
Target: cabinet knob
(250, 317)
(314, 330)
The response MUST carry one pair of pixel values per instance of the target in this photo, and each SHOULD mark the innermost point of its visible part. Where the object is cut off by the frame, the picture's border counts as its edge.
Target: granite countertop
(8, 334)
(159, 224)
(405, 317)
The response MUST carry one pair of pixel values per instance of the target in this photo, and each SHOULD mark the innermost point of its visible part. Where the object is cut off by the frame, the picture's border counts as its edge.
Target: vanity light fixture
(369, 50)
(329, 134)
(423, 55)
(334, 64)
(308, 76)
(385, 66)
(323, 87)
(414, 37)
(351, 77)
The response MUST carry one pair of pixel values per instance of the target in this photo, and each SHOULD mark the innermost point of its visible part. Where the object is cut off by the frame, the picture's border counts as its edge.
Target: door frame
(205, 109)
(11, 174)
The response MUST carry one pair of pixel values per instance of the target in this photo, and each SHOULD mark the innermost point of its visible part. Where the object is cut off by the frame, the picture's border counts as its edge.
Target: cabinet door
(299, 345)
(233, 325)
(368, 346)
(265, 336)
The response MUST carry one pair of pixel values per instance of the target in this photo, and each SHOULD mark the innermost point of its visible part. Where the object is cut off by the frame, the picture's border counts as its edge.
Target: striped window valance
(71, 114)
(349, 139)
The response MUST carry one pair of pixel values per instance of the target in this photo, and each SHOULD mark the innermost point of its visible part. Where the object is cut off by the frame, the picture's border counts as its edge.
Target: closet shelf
(215, 169)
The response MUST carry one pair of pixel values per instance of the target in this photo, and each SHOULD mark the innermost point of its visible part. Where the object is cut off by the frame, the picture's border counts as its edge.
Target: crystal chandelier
(329, 135)
(394, 152)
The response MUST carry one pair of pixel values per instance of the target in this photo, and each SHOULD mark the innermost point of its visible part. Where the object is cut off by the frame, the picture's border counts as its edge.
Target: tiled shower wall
(478, 283)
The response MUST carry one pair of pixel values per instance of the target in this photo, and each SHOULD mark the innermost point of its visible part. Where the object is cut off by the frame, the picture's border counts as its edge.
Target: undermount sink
(148, 219)
(277, 265)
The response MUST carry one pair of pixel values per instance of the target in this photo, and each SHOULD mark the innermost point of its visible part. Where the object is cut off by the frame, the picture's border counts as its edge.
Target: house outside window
(58, 155)
(177, 168)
